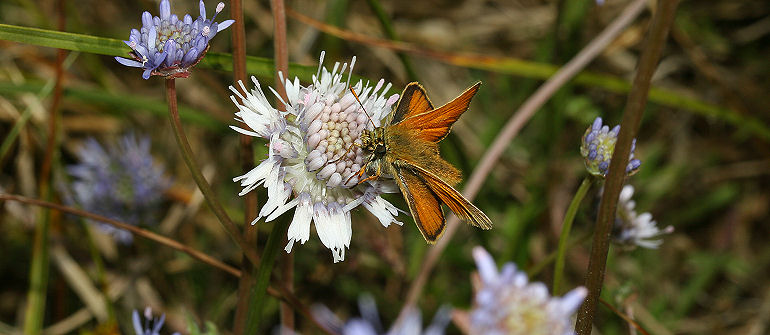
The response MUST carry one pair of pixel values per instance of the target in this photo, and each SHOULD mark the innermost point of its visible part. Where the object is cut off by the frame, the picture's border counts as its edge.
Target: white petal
(257, 175)
(278, 192)
(486, 265)
(299, 229)
(333, 228)
(282, 208)
(572, 300)
(383, 210)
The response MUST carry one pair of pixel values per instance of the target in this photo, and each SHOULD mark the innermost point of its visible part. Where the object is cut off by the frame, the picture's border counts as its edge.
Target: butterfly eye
(380, 149)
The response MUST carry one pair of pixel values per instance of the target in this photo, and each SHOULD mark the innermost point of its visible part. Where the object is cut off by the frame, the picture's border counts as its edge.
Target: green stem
(38, 278)
(258, 291)
(203, 185)
(632, 117)
(569, 218)
(101, 276)
(534, 270)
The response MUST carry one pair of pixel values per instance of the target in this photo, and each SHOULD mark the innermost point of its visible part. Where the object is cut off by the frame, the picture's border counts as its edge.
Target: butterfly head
(373, 141)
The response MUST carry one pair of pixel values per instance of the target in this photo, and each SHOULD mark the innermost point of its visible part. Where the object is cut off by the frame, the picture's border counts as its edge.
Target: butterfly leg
(362, 170)
(372, 177)
(346, 152)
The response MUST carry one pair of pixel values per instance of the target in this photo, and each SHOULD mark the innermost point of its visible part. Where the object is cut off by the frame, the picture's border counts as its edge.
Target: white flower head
(313, 158)
(631, 229)
(507, 303)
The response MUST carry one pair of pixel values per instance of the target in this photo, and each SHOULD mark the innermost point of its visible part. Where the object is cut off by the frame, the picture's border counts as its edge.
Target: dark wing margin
(423, 203)
(433, 125)
(463, 208)
(413, 101)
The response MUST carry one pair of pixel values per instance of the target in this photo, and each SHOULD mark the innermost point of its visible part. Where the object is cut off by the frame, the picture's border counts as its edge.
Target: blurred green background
(703, 145)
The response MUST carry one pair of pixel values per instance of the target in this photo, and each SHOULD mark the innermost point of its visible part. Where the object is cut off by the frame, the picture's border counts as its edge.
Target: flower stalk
(632, 116)
(258, 292)
(569, 218)
(250, 234)
(203, 185)
(38, 273)
(281, 56)
(512, 128)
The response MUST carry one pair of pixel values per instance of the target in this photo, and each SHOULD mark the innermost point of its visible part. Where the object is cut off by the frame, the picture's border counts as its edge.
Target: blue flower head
(167, 46)
(122, 182)
(597, 147)
(150, 326)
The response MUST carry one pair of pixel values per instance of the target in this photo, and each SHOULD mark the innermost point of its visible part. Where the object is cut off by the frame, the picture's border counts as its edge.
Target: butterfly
(406, 148)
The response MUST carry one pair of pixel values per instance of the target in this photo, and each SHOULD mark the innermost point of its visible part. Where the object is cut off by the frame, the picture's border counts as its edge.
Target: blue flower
(151, 325)
(507, 303)
(597, 147)
(369, 322)
(122, 183)
(169, 47)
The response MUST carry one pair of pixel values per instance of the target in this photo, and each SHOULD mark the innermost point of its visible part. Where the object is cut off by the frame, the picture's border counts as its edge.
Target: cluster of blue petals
(168, 46)
(151, 326)
(122, 183)
(597, 148)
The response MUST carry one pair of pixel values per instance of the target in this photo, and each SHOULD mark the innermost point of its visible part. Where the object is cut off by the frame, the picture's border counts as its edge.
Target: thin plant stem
(287, 278)
(566, 227)
(44, 91)
(101, 276)
(635, 325)
(512, 128)
(250, 233)
(281, 55)
(535, 270)
(38, 273)
(38, 278)
(257, 293)
(203, 185)
(281, 47)
(632, 116)
(133, 229)
(280, 292)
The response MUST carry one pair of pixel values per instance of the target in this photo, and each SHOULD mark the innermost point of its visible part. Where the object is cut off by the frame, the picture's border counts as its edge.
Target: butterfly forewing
(411, 155)
(413, 101)
(434, 124)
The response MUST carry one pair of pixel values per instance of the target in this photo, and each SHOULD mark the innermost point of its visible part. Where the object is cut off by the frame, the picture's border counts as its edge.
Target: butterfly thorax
(373, 142)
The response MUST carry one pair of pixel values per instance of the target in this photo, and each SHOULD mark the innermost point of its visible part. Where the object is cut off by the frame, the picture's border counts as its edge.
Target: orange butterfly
(407, 149)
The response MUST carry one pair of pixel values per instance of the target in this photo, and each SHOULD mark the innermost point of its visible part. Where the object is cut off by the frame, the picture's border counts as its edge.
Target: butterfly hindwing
(434, 124)
(423, 203)
(463, 208)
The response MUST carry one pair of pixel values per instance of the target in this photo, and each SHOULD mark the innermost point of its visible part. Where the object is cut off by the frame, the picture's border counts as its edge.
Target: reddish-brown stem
(632, 117)
(203, 185)
(133, 229)
(281, 55)
(280, 292)
(53, 118)
(38, 272)
(281, 48)
(250, 233)
(512, 128)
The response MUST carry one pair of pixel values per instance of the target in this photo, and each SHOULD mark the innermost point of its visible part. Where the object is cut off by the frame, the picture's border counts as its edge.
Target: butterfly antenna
(362, 107)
